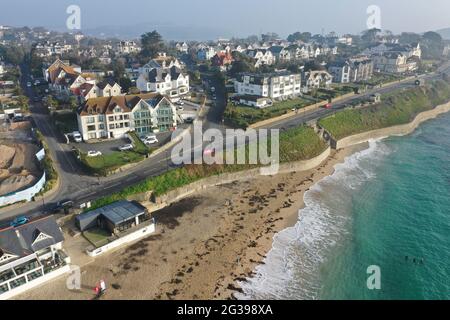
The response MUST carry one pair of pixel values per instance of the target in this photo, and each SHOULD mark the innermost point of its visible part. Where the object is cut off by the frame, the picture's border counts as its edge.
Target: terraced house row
(114, 117)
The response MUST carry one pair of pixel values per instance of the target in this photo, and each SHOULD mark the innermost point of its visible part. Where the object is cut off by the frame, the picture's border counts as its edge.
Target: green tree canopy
(302, 36)
(152, 43)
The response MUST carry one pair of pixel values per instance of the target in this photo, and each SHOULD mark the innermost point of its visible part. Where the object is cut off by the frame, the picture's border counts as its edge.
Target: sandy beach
(203, 244)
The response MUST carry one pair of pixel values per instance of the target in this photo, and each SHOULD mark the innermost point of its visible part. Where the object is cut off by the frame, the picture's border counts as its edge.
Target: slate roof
(106, 105)
(116, 212)
(19, 241)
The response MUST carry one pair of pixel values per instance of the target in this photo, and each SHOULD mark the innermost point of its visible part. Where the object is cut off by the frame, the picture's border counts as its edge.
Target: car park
(126, 147)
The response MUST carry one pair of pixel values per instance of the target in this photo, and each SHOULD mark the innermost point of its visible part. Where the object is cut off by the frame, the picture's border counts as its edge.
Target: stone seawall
(399, 130)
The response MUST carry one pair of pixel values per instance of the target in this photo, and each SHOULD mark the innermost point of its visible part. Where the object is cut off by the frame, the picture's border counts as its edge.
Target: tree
(152, 43)
(23, 102)
(12, 54)
(370, 35)
(241, 63)
(409, 37)
(118, 68)
(432, 37)
(73, 103)
(432, 45)
(299, 36)
(50, 102)
(125, 83)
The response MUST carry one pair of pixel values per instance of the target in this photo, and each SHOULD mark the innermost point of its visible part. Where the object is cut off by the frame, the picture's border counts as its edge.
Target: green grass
(98, 237)
(300, 143)
(396, 108)
(242, 116)
(296, 144)
(381, 78)
(112, 160)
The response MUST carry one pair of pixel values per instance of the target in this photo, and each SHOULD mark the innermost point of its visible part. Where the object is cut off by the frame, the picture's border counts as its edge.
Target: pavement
(77, 185)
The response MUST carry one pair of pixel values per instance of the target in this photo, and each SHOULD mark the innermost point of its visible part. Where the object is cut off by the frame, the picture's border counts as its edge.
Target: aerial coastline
(209, 241)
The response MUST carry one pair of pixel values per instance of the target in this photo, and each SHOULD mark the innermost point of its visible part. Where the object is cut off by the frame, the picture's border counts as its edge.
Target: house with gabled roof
(280, 53)
(64, 77)
(31, 254)
(182, 47)
(165, 76)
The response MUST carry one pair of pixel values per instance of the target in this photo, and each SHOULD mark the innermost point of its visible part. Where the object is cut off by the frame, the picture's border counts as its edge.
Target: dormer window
(40, 236)
(6, 256)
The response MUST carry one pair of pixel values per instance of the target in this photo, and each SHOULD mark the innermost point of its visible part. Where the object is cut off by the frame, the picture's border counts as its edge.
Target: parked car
(327, 106)
(180, 108)
(213, 89)
(189, 120)
(77, 136)
(19, 221)
(180, 102)
(28, 84)
(150, 139)
(94, 153)
(126, 147)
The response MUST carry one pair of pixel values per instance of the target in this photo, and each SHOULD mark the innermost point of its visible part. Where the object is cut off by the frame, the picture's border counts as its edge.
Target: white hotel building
(276, 86)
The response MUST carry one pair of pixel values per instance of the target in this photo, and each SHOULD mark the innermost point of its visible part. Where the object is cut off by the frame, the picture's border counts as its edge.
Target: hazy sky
(236, 17)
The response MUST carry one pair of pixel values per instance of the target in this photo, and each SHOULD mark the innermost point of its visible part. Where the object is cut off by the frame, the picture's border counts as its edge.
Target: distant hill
(169, 32)
(445, 33)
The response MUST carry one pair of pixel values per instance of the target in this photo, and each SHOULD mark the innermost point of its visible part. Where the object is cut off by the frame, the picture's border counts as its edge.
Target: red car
(327, 106)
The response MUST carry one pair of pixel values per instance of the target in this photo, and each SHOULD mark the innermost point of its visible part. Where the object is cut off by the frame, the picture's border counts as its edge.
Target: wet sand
(203, 244)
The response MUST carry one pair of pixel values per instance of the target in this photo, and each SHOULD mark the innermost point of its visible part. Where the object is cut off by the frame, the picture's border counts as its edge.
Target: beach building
(113, 225)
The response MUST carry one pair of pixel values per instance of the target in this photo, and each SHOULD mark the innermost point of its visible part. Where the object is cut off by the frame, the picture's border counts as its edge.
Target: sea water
(387, 206)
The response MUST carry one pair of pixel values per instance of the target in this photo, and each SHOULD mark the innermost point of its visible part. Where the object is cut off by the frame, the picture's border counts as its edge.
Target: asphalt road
(76, 185)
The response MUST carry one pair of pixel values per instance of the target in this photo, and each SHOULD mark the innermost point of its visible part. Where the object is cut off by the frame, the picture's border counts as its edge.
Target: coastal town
(88, 189)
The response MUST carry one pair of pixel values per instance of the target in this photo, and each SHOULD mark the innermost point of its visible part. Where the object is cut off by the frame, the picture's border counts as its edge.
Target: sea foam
(291, 269)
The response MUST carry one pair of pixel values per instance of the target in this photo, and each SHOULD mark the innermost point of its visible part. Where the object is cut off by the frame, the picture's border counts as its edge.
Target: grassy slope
(295, 144)
(395, 109)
